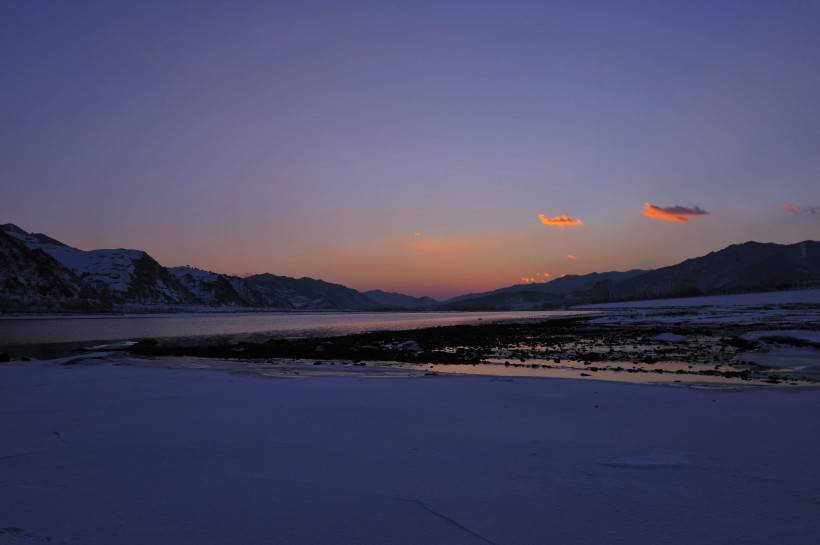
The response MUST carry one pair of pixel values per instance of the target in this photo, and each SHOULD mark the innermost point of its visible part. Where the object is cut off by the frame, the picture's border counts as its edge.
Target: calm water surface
(67, 329)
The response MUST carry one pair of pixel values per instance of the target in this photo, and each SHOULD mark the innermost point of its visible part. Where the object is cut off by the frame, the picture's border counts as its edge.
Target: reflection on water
(66, 329)
(666, 372)
(305, 368)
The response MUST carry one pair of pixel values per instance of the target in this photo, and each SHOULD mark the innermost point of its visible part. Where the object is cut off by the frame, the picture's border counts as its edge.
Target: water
(68, 329)
(577, 370)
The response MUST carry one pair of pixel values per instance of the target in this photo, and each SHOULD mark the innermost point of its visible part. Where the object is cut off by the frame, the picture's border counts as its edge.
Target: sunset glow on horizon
(433, 149)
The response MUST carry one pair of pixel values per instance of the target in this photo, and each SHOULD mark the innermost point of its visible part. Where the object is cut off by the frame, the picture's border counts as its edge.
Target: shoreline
(286, 369)
(580, 347)
(809, 296)
(98, 329)
(558, 347)
(777, 345)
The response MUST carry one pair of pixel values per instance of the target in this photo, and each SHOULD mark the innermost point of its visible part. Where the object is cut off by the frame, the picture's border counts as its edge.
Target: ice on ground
(777, 351)
(791, 297)
(18, 536)
(784, 315)
(115, 454)
(797, 360)
(798, 334)
(78, 358)
(120, 345)
(650, 461)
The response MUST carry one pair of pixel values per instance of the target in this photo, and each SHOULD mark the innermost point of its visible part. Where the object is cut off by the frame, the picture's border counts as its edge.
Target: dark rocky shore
(706, 350)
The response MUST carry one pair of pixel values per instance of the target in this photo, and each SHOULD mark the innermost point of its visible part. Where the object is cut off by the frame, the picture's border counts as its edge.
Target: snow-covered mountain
(558, 292)
(751, 266)
(308, 294)
(38, 272)
(109, 268)
(747, 267)
(271, 291)
(31, 280)
(124, 276)
(214, 289)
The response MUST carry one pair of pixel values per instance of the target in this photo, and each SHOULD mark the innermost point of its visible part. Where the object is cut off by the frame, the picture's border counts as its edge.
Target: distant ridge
(751, 266)
(41, 274)
(400, 300)
(555, 292)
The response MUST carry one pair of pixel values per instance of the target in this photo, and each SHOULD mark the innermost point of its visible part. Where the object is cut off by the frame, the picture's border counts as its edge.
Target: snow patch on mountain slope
(193, 272)
(211, 288)
(113, 269)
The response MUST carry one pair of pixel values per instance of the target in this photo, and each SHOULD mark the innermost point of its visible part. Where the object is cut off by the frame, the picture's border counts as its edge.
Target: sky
(432, 148)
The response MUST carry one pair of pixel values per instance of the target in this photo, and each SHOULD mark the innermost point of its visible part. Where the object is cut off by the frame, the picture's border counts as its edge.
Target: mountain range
(41, 274)
(747, 267)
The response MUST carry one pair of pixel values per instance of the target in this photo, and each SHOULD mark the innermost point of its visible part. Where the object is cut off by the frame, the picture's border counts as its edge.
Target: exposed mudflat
(659, 345)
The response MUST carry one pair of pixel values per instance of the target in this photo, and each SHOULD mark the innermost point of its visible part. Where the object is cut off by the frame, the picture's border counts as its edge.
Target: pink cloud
(800, 210)
(675, 213)
(560, 221)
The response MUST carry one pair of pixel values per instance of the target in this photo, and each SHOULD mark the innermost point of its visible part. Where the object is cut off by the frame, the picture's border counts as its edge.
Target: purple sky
(411, 146)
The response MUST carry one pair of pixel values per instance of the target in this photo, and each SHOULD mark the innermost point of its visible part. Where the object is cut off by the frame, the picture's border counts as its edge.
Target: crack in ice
(447, 519)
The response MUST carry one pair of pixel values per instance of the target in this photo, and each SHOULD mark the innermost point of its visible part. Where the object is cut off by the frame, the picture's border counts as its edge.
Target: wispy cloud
(560, 221)
(801, 210)
(572, 257)
(675, 213)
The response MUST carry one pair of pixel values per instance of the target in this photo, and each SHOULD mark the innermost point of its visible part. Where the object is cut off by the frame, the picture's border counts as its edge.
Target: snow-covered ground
(791, 297)
(102, 454)
(783, 308)
(799, 335)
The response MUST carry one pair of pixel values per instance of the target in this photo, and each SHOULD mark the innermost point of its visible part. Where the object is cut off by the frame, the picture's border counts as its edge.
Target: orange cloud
(801, 210)
(572, 257)
(560, 221)
(672, 213)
